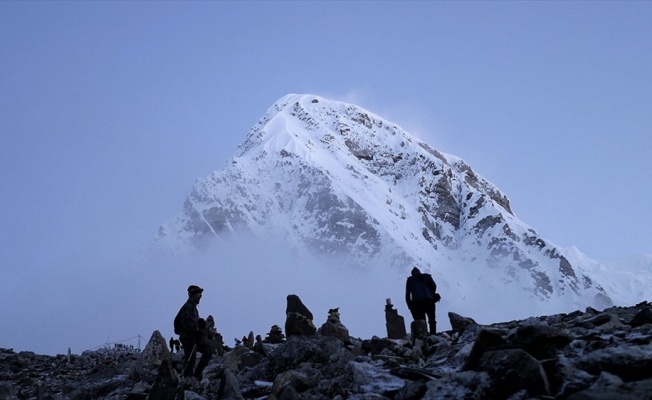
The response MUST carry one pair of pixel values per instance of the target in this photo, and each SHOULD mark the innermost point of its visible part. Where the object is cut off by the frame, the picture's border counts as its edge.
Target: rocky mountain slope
(331, 178)
(575, 356)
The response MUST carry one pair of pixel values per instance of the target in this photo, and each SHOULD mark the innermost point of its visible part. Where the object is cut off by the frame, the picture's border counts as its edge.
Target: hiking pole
(183, 371)
(180, 383)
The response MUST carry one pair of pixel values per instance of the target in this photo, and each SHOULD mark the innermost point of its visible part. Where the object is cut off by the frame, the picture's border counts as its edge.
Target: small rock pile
(582, 355)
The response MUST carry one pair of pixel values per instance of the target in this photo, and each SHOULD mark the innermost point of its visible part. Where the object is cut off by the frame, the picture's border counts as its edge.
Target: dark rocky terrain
(587, 354)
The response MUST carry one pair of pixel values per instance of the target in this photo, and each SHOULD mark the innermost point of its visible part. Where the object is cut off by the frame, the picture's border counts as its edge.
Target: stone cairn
(298, 319)
(334, 327)
(394, 322)
(275, 335)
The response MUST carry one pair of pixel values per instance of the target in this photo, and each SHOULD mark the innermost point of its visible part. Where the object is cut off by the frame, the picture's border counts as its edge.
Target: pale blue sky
(110, 110)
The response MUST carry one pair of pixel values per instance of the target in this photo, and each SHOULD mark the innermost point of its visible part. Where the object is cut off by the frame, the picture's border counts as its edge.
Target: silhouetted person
(259, 347)
(421, 296)
(213, 337)
(171, 345)
(190, 329)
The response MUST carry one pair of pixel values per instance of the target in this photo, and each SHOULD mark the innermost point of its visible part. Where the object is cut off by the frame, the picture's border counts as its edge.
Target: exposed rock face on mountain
(333, 178)
(582, 355)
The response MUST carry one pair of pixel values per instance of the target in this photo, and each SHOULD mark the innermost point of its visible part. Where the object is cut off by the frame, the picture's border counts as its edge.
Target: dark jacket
(420, 287)
(189, 317)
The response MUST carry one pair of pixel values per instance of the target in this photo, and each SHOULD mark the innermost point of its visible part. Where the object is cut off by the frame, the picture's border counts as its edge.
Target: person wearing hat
(188, 326)
(421, 296)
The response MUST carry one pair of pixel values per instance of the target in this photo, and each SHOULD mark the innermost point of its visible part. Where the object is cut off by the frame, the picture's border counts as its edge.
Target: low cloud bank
(87, 303)
(94, 302)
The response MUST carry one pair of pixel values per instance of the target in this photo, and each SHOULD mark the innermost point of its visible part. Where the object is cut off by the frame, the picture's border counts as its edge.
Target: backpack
(177, 324)
(427, 279)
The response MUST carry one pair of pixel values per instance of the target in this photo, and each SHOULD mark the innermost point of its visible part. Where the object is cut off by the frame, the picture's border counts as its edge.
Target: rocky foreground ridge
(581, 355)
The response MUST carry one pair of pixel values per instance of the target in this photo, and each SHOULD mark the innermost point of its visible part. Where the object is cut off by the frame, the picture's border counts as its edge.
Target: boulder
(155, 352)
(630, 363)
(461, 385)
(611, 387)
(641, 318)
(540, 341)
(294, 382)
(459, 323)
(514, 370)
(166, 385)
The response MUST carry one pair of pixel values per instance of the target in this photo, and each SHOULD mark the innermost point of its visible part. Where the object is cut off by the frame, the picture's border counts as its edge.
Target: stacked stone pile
(582, 355)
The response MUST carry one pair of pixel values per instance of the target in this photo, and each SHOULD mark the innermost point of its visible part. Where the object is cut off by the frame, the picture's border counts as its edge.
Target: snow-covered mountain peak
(340, 136)
(312, 123)
(331, 178)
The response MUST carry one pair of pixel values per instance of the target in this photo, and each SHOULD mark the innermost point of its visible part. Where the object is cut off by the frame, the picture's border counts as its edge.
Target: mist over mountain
(331, 181)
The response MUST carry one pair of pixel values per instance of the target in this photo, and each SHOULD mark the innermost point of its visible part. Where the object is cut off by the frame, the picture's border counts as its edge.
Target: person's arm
(408, 300)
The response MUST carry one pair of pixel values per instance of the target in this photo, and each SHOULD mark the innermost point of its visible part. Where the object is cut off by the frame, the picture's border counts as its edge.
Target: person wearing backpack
(191, 330)
(421, 296)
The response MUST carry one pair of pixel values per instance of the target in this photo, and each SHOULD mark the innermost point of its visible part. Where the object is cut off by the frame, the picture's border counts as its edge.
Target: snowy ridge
(330, 178)
(626, 280)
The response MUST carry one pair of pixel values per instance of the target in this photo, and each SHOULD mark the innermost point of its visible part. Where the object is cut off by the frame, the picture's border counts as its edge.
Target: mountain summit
(331, 178)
